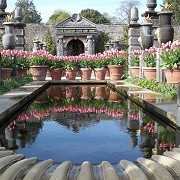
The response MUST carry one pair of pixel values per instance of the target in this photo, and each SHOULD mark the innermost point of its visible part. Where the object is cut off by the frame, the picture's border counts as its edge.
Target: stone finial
(134, 15)
(3, 5)
(18, 14)
(151, 5)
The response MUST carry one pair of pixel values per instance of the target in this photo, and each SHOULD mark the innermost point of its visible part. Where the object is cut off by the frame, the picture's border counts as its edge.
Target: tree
(30, 14)
(94, 16)
(176, 10)
(51, 47)
(123, 13)
(58, 16)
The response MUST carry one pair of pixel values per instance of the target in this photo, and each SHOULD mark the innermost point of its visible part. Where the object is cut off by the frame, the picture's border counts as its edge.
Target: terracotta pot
(134, 70)
(56, 73)
(6, 73)
(150, 72)
(71, 74)
(56, 92)
(115, 71)
(114, 96)
(38, 72)
(48, 74)
(172, 75)
(85, 73)
(100, 73)
(21, 71)
(86, 92)
(100, 93)
(43, 98)
(71, 92)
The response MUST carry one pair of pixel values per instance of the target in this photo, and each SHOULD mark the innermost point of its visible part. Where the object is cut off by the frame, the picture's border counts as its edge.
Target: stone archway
(75, 47)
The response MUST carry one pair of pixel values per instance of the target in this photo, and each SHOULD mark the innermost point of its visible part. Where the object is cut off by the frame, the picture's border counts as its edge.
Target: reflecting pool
(85, 123)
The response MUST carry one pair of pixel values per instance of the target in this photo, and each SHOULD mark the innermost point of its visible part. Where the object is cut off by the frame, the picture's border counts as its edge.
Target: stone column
(36, 46)
(178, 117)
(90, 45)
(60, 46)
(151, 5)
(19, 31)
(133, 33)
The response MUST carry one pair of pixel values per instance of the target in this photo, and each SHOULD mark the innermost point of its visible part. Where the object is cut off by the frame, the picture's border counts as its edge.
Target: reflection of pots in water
(56, 92)
(114, 96)
(86, 92)
(100, 93)
(71, 92)
(43, 98)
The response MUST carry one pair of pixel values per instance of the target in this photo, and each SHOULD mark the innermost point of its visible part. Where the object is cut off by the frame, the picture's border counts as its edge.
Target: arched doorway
(75, 47)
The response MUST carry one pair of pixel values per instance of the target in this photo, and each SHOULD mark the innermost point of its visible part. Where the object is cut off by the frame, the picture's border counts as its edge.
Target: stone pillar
(36, 46)
(106, 47)
(19, 31)
(133, 33)
(151, 5)
(60, 46)
(90, 45)
(116, 44)
(3, 15)
(178, 117)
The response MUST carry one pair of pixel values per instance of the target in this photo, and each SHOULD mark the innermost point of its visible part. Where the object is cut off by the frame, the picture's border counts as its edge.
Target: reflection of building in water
(11, 136)
(133, 139)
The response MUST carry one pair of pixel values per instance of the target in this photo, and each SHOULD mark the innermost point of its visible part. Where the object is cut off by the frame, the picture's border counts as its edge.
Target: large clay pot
(100, 73)
(115, 71)
(56, 92)
(21, 71)
(38, 72)
(6, 73)
(149, 72)
(100, 92)
(8, 38)
(172, 75)
(71, 74)
(86, 92)
(114, 96)
(134, 70)
(56, 73)
(85, 73)
(71, 92)
(165, 31)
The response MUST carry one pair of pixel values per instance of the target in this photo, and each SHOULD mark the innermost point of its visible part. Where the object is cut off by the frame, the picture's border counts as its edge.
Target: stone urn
(146, 39)
(165, 31)
(18, 14)
(36, 46)
(8, 38)
(3, 5)
(151, 4)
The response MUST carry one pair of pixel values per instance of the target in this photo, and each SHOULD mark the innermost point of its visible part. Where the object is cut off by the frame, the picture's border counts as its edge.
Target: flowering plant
(71, 62)
(39, 58)
(135, 60)
(99, 61)
(171, 56)
(7, 61)
(150, 58)
(55, 62)
(22, 60)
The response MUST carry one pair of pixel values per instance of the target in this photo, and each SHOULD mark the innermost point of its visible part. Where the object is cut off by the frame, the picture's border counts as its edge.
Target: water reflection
(81, 109)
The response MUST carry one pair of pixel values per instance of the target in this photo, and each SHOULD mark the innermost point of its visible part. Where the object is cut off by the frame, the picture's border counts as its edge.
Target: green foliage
(84, 63)
(51, 46)
(56, 64)
(14, 82)
(102, 39)
(94, 16)
(38, 60)
(125, 37)
(176, 10)
(22, 62)
(71, 64)
(150, 60)
(30, 14)
(58, 16)
(117, 61)
(135, 61)
(99, 63)
(168, 90)
(7, 62)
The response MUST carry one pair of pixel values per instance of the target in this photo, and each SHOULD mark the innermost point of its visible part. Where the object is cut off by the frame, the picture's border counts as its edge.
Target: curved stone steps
(5, 153)
(158, 167)
(38, 170)
(172, 165)
(8, 160)
(154, 170)
(2, 148)
(133, 171)
(16, 168)
(176, 150)
(174, 155)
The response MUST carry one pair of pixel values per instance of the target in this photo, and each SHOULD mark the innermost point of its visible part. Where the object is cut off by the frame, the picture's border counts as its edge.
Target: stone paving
(16, 166)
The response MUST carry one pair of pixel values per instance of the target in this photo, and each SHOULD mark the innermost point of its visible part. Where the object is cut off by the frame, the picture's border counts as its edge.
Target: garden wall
(115, 32)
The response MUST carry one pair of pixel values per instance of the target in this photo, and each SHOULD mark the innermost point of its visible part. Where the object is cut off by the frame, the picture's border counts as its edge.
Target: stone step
(108, 171)
(174, 155)
(37, 171)
(86, 172)
(172, 165)
(15, 169)
(2, 148)
(6, 153)
(7, 160)
(153, 170)
(133, 171)
(176, 150)
(62, 171)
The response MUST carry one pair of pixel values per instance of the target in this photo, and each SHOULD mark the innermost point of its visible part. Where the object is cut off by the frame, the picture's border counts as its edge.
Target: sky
(47, 7)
